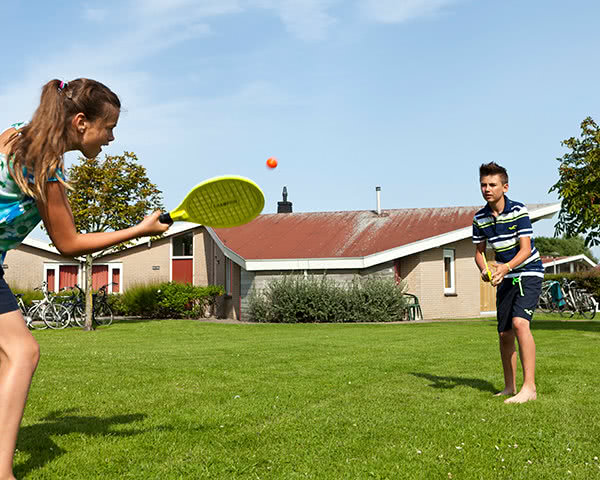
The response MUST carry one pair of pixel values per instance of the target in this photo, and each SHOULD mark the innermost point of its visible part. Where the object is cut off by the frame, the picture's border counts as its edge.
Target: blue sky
(410, 95)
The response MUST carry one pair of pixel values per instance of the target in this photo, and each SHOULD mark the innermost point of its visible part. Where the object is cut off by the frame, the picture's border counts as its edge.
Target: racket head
(221, 202)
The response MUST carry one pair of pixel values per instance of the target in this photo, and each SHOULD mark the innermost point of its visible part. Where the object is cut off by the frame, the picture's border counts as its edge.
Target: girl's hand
(151, 226)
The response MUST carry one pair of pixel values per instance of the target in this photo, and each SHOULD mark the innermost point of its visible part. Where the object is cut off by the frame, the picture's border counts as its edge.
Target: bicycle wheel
(34, 317)
(568, 309)
(103, 314)
(78, 315)
(587, 307)
(56, 316)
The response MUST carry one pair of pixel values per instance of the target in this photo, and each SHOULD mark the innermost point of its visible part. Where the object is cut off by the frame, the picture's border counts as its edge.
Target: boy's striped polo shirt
(503, 233)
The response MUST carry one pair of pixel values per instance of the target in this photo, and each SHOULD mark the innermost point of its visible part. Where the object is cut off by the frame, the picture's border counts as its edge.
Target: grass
(187, 399)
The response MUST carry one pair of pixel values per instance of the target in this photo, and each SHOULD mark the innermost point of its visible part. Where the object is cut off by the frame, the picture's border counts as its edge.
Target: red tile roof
(342, 234)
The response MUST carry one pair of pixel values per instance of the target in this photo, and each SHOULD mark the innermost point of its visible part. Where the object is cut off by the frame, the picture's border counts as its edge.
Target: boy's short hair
(493, 168)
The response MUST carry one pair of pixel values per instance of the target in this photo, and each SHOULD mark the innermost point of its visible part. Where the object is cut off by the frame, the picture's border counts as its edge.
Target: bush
(165, 300)
(137, 301)
(29, 295)
(176, 300)
(295, 299)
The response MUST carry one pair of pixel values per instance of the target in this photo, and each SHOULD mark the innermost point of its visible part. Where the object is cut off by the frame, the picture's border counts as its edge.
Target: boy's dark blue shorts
(510, 303)
(8, 302)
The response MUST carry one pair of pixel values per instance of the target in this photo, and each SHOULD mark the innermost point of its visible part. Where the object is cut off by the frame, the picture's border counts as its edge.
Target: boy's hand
(485, 276)
(499, 274)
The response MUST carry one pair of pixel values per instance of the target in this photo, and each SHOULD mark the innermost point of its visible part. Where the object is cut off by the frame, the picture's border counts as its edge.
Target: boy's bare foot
(506, 391)
(525, 395)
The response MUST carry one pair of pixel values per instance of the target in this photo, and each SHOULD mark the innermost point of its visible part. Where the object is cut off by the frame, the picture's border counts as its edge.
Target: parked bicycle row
(66, 309)
(565, 298)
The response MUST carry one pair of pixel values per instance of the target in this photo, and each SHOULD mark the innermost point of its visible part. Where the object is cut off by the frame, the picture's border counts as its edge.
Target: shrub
(177, 300)
(295, 299)
(28, 295)
(165, 300)
(139, 300)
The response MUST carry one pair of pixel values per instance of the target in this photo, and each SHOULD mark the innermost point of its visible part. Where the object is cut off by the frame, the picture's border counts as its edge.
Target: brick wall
(24, 266)
(424, 274)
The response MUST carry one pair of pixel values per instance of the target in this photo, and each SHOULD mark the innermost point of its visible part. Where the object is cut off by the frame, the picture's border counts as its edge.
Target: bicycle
(102, 313)
(75, 303)
(552, 298)
(54, 315)
(577, 301)
(32, 322)
(47, 311)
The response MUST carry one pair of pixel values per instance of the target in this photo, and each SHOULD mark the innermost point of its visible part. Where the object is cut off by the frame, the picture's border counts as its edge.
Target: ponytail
(38, 148)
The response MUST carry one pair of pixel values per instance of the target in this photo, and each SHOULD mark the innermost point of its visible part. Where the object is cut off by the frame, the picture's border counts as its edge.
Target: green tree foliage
(579, 185)
(563, 247)
(110, 194)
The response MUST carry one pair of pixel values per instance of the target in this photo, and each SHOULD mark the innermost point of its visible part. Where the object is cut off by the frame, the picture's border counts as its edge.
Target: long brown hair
(39, 146)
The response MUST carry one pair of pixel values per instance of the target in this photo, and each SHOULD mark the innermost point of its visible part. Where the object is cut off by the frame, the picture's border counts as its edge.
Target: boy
(505, 224)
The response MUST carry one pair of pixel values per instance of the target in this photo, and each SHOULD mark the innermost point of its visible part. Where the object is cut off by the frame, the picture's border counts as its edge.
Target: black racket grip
(165, 218)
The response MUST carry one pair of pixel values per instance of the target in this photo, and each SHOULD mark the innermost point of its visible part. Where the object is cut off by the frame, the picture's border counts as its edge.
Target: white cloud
(398, 11)
(95, 14)
(192, 8)
(308, 20)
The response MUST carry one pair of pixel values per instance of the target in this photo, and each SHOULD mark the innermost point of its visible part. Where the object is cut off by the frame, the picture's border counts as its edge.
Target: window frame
(450, 254)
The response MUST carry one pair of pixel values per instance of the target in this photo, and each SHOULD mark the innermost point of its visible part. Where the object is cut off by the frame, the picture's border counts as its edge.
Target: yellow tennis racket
(219, 202)
(486, 266)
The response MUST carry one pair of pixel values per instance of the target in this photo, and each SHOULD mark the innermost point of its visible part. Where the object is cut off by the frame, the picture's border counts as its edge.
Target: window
(449, 282)
(227, 276)
(183, 245)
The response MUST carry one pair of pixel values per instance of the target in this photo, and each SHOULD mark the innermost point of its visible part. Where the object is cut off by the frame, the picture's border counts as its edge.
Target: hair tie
(62, 86)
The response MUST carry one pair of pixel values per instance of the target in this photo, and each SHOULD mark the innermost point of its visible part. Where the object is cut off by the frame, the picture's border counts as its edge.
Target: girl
(79, 115)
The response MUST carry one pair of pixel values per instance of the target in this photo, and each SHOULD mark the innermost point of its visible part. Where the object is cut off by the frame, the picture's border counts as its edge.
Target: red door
(67, 276)
(99, 276)
(116, 279)
(50, 275)
(183, 270)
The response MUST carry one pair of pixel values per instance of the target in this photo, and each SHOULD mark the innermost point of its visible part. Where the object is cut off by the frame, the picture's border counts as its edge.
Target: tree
(579, 185)
(563, 247)
(109, 195)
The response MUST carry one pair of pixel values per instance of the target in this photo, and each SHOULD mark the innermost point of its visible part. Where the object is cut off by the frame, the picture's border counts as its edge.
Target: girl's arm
(58, 220)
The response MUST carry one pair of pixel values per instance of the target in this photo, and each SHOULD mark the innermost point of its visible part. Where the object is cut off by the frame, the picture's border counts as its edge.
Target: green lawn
(187, 399)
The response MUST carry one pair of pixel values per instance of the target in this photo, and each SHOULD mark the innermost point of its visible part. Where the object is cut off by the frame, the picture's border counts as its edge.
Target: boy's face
(492, 188)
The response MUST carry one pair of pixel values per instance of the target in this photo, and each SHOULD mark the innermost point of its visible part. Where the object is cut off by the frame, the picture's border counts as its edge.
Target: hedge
(296, 299)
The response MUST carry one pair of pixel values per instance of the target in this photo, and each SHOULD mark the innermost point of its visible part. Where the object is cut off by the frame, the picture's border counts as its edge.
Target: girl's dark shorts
(510, 303)
(8, 302)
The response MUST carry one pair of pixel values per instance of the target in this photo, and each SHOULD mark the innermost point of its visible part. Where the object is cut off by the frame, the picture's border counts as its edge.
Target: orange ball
(271, 162)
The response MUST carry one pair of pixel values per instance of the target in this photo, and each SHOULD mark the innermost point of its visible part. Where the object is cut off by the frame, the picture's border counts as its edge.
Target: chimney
(284, 206)
(378, 192)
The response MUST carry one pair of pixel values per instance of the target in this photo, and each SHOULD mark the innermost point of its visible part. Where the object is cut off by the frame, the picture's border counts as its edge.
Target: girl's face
(98, 133)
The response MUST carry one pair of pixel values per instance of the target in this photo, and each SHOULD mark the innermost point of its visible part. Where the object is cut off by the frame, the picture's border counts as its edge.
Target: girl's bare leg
(19, 355)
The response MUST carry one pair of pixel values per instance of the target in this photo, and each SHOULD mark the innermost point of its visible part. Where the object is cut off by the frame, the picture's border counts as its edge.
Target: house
(428, 248)
(572, 264)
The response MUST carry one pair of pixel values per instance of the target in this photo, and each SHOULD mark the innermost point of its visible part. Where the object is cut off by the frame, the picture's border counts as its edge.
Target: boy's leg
(504, 301)
(19, 355)
(508, 354)
(527, 354)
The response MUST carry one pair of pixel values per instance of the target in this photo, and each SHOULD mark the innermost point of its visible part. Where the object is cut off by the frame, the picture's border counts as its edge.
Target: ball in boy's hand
(271, 162)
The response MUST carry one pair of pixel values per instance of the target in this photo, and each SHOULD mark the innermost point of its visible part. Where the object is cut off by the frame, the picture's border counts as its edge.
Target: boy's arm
(479, 249)
(522, 255)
